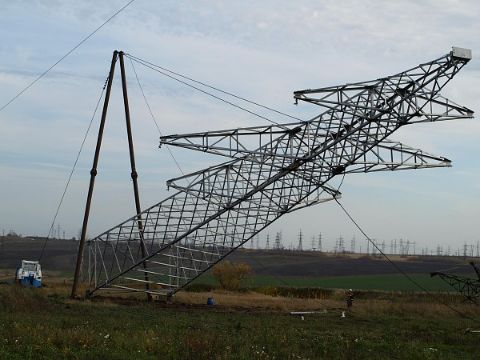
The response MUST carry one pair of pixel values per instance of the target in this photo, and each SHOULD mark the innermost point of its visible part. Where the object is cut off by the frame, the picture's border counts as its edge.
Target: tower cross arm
(391, 155)
(234, 143)
(416, 90)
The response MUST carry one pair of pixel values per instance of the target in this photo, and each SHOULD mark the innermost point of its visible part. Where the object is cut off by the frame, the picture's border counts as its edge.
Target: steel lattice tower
(271, 171)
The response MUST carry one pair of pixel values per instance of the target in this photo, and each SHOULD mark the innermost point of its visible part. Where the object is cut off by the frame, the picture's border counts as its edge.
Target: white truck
(30, 274)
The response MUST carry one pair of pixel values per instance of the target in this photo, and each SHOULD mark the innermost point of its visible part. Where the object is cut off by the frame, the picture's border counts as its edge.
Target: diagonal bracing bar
(272, 170)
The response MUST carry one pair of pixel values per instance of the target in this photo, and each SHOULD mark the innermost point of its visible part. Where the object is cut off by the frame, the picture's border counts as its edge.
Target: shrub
(230, 275)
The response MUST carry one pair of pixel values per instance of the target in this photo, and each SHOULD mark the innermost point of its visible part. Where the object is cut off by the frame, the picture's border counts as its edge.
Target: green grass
(390, 282)
(36, 326)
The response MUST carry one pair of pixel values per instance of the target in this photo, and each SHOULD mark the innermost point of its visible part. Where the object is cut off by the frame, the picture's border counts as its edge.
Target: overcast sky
(263, 50)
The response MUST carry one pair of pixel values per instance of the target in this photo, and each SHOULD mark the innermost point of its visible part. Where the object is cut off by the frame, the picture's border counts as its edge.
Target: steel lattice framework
(272, 170)
(468, 287)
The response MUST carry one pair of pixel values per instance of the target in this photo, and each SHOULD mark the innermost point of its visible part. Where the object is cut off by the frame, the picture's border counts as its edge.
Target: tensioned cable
(72, 171)
(204, 91)
(265, 268)
(214, 88)
(399, 269)
(153, 116)
(21, 92)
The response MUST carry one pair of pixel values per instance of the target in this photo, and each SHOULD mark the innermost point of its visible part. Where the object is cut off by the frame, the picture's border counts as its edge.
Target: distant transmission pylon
(278, 241)
(300, 241)
(271, 171)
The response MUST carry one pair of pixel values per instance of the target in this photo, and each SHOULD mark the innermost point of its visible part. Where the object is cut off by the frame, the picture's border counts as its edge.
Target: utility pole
(116, 55)
(134, 174)
(320, 242)
(93, 173)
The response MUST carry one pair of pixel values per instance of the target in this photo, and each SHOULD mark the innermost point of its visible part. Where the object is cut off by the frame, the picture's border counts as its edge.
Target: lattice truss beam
(468, 287)
(271, 171)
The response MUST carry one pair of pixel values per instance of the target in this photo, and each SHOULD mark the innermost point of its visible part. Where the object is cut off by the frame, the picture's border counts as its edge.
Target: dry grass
(430, 310)
(256, 301)
(253, 300)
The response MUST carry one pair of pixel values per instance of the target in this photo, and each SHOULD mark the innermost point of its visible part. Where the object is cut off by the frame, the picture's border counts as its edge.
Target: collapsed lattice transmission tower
(272, 171)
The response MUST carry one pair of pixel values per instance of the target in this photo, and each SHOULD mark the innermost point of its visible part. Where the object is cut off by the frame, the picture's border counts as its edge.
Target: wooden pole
(93, 173)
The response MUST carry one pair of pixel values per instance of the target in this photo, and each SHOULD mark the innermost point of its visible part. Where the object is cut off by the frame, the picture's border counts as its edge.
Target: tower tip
(461, 53)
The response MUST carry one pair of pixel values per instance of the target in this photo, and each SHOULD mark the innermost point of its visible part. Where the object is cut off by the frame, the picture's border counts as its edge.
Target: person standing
(349, 298)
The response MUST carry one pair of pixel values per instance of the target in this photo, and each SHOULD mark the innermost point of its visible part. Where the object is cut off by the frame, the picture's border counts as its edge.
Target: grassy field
(389, 282)
(45, 324)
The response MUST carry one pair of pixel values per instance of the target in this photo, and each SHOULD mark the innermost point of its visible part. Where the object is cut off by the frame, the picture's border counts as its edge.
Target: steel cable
(72, 171)
(21, 92)
(214, 88)
(204, 91)
(399, 269)
(153, 116)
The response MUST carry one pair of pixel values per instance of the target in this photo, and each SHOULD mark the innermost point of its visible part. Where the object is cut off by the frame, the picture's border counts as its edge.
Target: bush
(230, 275)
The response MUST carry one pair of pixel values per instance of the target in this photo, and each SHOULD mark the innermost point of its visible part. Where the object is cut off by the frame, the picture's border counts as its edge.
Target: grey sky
(260, 49)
